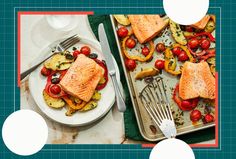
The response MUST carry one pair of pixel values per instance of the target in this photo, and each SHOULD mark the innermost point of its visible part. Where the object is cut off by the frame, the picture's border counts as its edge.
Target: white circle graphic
(186, 12)
(24, 132)
(172, 149)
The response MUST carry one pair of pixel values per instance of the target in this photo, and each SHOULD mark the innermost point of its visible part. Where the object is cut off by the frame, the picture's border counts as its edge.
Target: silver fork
(155, 101)
(62, 46)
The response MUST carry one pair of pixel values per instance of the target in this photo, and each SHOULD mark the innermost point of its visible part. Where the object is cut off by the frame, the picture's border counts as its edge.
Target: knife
(110, 66)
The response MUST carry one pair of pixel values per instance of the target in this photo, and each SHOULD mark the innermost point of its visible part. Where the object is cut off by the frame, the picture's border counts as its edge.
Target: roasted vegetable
(53, 102)
(146, 73)
(122, 19)
(89, 106)
(58, 62)
(210, 27)
(177, 33)
(137, 57)
(64, 66)
(191, 59)
(70, 111)
(212, 60)
(170, 63)
(71, 103)
(96, 96)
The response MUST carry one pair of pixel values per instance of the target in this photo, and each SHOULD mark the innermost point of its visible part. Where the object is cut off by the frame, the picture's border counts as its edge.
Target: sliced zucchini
(96, 96)
(122, 19)
(89, 106)
(212, 60)
(53, 102)
(210, 27)
(56, 61)
(177, 33)
(64, 66)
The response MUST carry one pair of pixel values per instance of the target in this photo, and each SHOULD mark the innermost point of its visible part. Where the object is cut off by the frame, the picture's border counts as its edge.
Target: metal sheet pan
(147, 128)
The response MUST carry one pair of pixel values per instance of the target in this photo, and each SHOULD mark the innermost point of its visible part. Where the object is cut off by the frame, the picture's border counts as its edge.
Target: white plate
(37, 83)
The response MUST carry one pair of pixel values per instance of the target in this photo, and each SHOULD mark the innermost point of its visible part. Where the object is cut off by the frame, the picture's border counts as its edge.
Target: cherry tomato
(145, 51)
(85, 50)
(130, 64)
(122, 32)
(176, 51)
(130, 43)
(193, 43)
(195, 115)
(55, 89)
(159, 64)
(205, 44)
(208, 118)
(160, 47)
(76, 53)
(45, 71)
(186, 104)
(189, 28)
(183, 56)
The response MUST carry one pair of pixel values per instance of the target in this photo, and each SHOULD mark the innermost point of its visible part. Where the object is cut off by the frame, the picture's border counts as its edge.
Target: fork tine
(155, 101)
(70, 43)
(68, 39)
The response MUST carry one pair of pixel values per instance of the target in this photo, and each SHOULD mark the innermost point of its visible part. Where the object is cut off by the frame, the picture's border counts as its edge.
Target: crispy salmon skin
(196, 81)
(82, 78)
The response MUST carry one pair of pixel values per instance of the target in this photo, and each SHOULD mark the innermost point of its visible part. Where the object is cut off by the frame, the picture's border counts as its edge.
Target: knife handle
(119, 99)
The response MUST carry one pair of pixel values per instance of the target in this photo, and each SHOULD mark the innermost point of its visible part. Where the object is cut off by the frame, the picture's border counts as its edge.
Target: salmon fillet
(202, 23)
(196, 81)
(146, 27)
(82, 78)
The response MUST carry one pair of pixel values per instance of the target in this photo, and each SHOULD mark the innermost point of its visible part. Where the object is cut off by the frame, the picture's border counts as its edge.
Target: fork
(61, 47)
(156, 103)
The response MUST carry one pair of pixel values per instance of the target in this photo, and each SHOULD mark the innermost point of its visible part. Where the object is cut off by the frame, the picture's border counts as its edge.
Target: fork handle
(119, 99)
(32, 68)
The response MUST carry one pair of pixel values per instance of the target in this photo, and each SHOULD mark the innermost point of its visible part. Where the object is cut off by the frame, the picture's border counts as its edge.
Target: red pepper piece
(103, 65)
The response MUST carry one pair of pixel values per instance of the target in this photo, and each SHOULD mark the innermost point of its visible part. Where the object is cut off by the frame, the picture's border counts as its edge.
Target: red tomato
(176, 51)
(55, 89)
(208, 118)
(205, 44)
(76, 53)
(160, 47)
(122, 32)
(85, 50)
(145, 51)
(160, 64)
(195, 115)
(130, 43)
(193, 43)
(189, 28)
(186, 104)
(183, 56)
(130, 64)
(45, 71)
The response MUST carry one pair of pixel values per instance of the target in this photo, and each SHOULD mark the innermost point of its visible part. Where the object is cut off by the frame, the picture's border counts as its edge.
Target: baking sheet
(147, 128)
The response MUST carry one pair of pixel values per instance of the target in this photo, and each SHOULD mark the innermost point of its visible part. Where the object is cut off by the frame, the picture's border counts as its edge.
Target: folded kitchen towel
(131, 127)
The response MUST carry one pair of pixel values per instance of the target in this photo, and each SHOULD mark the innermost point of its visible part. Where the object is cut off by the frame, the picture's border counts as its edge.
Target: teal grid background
(8, 87)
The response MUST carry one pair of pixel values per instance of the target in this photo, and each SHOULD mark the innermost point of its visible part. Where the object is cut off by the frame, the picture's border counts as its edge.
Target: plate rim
(97, 46)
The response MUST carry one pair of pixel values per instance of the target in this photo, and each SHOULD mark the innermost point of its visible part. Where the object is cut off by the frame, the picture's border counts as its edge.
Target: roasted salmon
(196, 81)
(202, 23)
(146, 27)
(82, 78)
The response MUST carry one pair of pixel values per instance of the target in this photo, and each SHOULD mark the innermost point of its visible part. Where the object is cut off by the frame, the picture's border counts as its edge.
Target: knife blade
(111, 66)
(106, 49)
